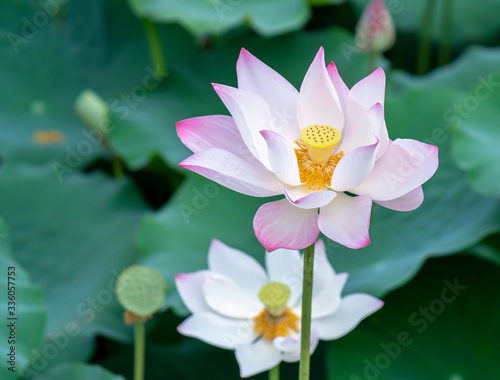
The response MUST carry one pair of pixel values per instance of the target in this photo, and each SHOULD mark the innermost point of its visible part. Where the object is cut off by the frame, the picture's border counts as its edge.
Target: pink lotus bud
(375, 32)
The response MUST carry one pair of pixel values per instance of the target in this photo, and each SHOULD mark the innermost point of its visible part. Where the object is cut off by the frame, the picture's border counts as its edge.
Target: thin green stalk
(424, 51)
(140, 345)
(117, 167)
(372, 62)
(307, 285)
(446, 32)
(155, 48)
(274, 373)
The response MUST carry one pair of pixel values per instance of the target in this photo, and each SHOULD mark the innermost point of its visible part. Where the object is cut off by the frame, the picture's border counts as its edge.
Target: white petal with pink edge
(408, 202)
(346, 220)
(354, 167)
(377, 123)
(257, 357)
(214, 131)
(280, 224)
(233, 172)
(326, 300)
(227, 298)
(237, 266)
(285, 266)
(189, 287)
(302, 197)
(405, 165)
(357, 131)
(318, 101)
(352, 310)
(217, 330)
(340, 87)
(256, 77)
(251, 114)
(327, 285)
(370, 90)
(282, 158)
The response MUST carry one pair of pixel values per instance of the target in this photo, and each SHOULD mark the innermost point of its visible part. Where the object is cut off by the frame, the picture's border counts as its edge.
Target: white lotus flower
(237, 305)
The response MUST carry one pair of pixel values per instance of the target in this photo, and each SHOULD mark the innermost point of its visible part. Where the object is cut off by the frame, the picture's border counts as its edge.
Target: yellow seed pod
(141, 290)
(320, 141)
(274, 295)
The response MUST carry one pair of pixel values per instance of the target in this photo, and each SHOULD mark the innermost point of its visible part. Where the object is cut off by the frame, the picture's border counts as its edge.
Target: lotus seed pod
(141, 290)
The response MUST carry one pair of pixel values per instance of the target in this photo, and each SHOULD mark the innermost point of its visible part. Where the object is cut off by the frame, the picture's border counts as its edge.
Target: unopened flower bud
(375, 32)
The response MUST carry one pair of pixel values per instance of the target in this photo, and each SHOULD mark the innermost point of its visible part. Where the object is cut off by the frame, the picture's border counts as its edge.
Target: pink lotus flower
(326, 148)
(231, 309)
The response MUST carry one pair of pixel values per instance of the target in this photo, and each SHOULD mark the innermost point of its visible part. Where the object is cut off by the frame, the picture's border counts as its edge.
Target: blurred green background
(78, 206)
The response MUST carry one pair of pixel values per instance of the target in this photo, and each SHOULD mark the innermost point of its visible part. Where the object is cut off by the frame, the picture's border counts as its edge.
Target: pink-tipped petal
(370, 90)
(302, 197)
(405, 165)
(377, 124)
(217, 330)
(282, 158)
(340, 87)
(318, 101)
(357, 131)
(214, 131)
(354, 167)
(408, 202)
(346, 220)
(257, 357)
(285, 266)
(232, 172)
(228, 299)
(189, 287)
(251, 114)
(237, 266)
(256, 77)
(352, 310)
(280, 224)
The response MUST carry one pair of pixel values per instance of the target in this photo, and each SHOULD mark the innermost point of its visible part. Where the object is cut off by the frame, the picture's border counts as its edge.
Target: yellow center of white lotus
(320, 141)
(276, 319)
(315, 155)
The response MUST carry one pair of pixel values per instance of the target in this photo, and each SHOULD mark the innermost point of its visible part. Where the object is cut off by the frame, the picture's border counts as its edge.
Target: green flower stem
(446, 32)
(139, 350)
(155, 48)
(307, 285)
(274, 373)
(117, 167)
(372, 62)
(424, 51)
